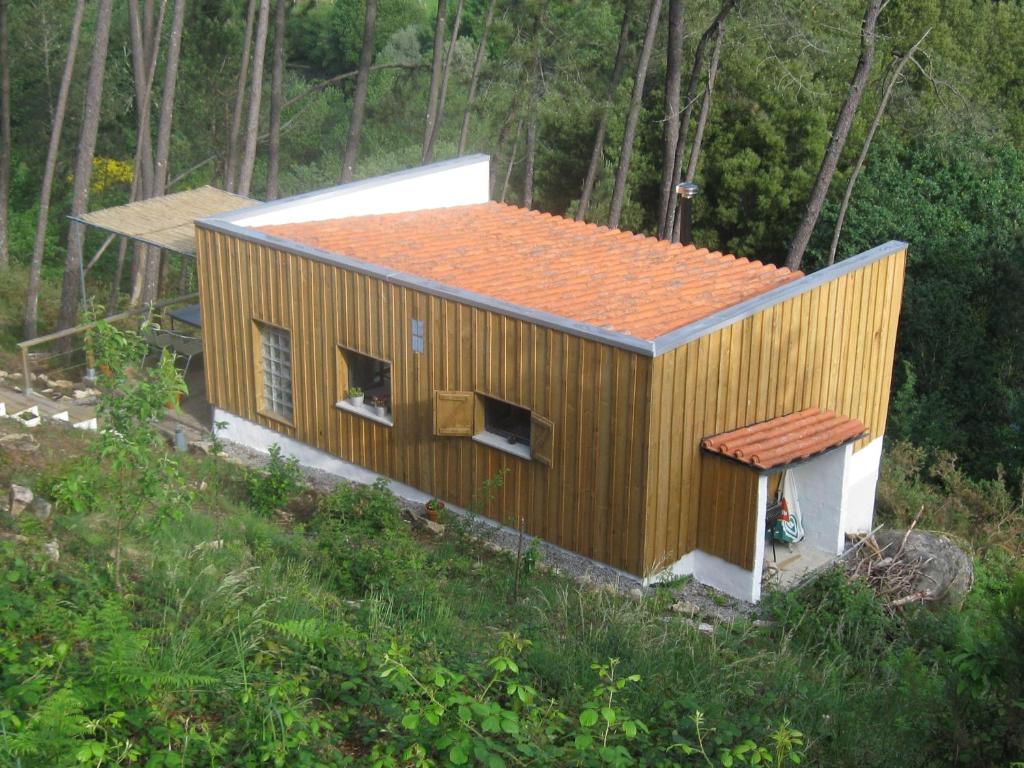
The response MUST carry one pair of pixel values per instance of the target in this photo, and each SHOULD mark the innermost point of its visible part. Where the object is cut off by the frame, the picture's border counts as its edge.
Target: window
(275, 370)
(369, 376)
(495, 423)
(507, 421)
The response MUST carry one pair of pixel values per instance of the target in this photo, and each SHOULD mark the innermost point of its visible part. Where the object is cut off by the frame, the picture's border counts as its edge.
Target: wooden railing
(26, 345)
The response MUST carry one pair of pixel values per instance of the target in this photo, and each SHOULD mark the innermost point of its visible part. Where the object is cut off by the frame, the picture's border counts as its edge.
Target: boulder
(18, 499)
(947, 572)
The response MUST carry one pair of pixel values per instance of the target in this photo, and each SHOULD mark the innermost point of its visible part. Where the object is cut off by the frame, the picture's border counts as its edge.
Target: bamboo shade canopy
(167, 221)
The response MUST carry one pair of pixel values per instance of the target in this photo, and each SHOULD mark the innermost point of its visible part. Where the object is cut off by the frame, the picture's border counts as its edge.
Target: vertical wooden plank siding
(830, 347)
(728, 499)
(590, 501)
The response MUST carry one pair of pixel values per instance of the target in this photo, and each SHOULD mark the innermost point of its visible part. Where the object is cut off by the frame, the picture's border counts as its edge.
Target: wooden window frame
(342, 367)
(263, 408)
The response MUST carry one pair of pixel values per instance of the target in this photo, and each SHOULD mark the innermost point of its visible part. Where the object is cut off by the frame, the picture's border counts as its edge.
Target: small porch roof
(166, 221)
(779, 442)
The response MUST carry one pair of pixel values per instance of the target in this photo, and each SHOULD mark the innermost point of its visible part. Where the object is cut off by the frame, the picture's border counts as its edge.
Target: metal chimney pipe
(684, 219)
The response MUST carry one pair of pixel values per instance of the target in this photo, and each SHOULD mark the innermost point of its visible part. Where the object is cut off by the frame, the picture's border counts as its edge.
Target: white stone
(18, 499)
(52, 550)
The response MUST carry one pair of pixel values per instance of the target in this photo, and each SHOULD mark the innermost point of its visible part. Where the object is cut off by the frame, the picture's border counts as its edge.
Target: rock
(62, 384)
(636, 593)
(19, 442)
(947, 572)
(435, 528)
(686, 608)
(40, 508)
(52, 550)
(18, 499)
(15, 537)
(208, 545)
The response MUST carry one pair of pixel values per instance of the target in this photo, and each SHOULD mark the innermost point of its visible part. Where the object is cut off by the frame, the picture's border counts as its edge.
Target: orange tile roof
(615, 280)
(786, 439)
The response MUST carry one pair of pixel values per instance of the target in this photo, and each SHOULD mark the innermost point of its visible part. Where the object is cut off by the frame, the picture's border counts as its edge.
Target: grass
(234, 623)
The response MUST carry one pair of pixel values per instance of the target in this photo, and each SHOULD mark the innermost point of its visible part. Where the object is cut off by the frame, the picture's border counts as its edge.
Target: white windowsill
(364, 411)
(502, 444)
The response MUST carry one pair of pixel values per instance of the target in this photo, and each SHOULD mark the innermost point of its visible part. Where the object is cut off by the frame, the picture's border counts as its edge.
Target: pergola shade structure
(167, 221)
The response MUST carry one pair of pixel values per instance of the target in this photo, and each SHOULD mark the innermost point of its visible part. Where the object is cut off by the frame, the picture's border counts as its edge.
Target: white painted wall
(720, 574)
(817, 490)
(861, 484)
(464, 181)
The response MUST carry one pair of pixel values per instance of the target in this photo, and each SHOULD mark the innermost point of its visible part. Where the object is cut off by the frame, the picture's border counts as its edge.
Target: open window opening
(365, 384)
(506, 421)
(496, 423)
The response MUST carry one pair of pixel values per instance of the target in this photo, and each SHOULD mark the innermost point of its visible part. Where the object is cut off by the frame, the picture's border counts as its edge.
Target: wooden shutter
(453, 414)
(542, 439)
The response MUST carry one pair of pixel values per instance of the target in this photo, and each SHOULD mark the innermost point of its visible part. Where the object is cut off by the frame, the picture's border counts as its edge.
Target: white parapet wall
(463, 181)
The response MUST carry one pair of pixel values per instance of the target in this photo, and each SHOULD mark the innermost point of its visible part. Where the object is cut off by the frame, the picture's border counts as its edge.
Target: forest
(815, 130)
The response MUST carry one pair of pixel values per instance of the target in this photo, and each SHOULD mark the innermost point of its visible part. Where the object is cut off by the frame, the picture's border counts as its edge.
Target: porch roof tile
(786, 439)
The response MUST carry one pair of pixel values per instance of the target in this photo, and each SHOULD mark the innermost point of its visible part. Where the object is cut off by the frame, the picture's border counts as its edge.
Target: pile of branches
(894, 574)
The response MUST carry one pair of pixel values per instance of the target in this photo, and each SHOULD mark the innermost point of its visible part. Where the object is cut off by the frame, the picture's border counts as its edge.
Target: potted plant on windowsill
(433, 510)
(355, 396)
(379, 406)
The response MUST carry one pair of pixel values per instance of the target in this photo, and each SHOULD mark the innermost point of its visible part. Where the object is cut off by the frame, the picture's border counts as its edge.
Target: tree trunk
(474, 79)
(163, 134)
(252, 128)
(673, 82)
(705, 107)
(602, 124)
(5, 137)
(276, 101)
(143, 82)
(839, 133)
(435, 84)
(445, 73)
(691, 98)
(234, 137)
(145, 43)
(355, 126)
(862, 158)
(629, 135)
(511, 159)
(49, 171)
(531, 154)
(155, 256)
(70, 293)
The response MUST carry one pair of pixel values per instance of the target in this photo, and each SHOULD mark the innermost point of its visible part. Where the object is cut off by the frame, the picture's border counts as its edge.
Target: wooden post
(27, 388)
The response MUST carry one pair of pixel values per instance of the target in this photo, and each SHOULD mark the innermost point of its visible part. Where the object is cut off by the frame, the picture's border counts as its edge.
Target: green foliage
(272, 488)
(959, 200)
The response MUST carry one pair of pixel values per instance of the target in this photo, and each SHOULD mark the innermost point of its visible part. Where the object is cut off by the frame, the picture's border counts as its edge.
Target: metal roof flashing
(648, 348)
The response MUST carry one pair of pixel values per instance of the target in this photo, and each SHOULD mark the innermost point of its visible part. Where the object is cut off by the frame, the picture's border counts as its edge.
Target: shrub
(271, 489)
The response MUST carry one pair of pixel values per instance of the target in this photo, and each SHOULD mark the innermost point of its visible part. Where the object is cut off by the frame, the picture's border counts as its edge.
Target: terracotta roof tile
(608, 278)
(786, 439)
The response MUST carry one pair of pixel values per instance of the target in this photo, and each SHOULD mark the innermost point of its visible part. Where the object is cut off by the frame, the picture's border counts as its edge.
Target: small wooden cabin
(589, 363)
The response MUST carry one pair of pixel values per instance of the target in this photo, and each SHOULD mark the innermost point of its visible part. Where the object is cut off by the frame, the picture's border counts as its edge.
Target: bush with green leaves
(273, 487)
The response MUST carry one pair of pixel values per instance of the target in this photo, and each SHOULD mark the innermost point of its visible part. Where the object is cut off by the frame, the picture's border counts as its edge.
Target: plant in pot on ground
(355, 396)
(433, 509)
